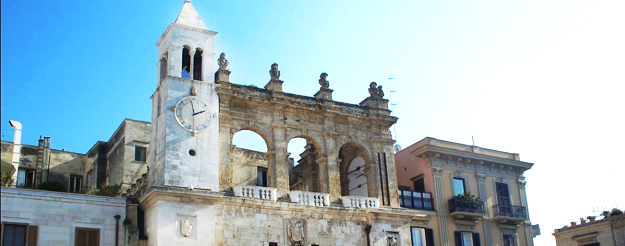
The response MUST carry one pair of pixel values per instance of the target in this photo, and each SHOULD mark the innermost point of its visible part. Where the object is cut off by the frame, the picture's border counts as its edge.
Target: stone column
(440, 204)
(486, 222)
(322, 175)
(372, 169)
(225, 148)
(278, 165)
(392, 178)
(528, 227)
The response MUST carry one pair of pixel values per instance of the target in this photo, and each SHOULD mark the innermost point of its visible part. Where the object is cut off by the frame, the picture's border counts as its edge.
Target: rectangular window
(273, 244)
(87, 237)
(418, 236)
(19, 234)
(458, 186)
(75, 183)
(503, 194)
(26, 178)
(465, 238)
(89, 179)
(261, 176)
(509, 240)
(419, 185)
(140, 153)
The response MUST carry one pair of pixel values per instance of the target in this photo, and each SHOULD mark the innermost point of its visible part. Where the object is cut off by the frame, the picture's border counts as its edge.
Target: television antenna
(397, 147)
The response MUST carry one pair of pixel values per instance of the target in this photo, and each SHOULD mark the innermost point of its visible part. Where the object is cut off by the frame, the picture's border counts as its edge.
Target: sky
(540, 78)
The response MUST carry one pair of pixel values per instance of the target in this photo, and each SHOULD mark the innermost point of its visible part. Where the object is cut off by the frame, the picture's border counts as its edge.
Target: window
(186, 63)
(140, 153)
(503, 194)
(19, 234)
(458, 186)
(261, 179)
(89, 179)
(87, 237)
(273, 244)
(197, 65)
(422, 236)
(75, 183)
(509, 240)
(419, 185)
(466, 238)
(26, 178)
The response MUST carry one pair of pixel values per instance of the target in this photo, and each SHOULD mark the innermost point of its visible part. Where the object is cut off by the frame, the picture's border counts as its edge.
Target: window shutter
(94, 238)
(429, 237)
(32, 235)
(476, 239)
(81, 237)
(458, 238)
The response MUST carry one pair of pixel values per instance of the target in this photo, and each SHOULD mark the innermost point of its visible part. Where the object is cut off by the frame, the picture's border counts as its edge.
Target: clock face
(192, 114)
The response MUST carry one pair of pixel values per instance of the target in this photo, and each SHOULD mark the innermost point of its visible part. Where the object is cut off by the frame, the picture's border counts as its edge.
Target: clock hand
(199, 112)
(192, 109)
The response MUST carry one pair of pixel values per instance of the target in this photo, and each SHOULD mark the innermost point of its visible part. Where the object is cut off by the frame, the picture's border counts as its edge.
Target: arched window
(163, 67)
(197, 64)
(186, 63)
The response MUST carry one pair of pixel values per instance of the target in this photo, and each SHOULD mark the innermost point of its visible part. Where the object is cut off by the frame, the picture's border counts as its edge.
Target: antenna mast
(390, 96)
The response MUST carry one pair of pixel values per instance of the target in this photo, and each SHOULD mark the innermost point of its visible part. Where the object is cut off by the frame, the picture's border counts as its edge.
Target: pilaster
(440, 205)
(486, 222)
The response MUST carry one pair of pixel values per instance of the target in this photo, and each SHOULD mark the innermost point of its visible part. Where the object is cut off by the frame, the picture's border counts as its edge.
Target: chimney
(17, 148)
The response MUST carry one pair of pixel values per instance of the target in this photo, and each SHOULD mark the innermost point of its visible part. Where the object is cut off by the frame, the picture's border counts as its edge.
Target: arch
(197, 64)
(354, 169)
(256, 130)
(186, 62)
(304, 172)
(249, 163)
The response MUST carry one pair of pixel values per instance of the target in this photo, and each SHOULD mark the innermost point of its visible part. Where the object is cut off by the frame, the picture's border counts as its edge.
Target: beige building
(609, 231)
(474, 196)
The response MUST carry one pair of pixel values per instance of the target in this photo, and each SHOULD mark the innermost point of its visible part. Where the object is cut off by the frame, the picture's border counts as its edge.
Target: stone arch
(186, 62)
(304, 173)
(249, 165)
(256, 130)
(354, 169)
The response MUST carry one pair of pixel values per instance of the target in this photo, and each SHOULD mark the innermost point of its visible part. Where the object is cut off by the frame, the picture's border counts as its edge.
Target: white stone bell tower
(185, 107)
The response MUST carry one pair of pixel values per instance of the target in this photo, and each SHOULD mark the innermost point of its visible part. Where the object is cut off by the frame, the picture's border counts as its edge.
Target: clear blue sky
(541, 78)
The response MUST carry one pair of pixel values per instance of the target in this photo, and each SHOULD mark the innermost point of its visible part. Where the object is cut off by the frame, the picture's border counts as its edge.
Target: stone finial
(325, 84)
(223, 62)
(275, 84)
(375, 91)
(274, 72)
(222, 75)
(324, 92)
(376, 97)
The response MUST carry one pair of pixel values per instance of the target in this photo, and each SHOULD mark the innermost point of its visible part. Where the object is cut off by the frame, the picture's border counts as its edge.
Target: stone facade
(608, 231)
(55, 216)
(440, 170)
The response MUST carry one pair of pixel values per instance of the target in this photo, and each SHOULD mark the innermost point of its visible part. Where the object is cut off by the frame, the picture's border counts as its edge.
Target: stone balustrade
(257, 192)
(310, 198)
(360, 202)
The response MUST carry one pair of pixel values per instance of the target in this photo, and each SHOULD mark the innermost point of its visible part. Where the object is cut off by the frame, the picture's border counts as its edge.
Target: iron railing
(416, 200)
(457, 204)
(509, 211)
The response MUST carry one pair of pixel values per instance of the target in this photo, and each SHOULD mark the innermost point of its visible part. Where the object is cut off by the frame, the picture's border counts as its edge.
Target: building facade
(475, 196)
(609, 231)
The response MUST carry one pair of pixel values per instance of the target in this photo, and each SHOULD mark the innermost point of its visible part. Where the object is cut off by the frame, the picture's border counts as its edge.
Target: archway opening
(303, 167)
(353, 171)
(249, 159)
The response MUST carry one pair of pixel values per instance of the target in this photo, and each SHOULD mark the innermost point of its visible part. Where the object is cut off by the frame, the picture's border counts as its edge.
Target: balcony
(416, 200)
(509, 214)
(256, 192)
(463, 207)
(310, 198)
(360, 202)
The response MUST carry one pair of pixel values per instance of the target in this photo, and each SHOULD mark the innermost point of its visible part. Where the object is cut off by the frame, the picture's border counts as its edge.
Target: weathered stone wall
(245, 164)
(59, 214)
(122, 166)
(6, 155)
(63, 164)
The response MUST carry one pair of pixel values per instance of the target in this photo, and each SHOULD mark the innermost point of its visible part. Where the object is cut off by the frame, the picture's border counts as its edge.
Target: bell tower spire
(185, 106)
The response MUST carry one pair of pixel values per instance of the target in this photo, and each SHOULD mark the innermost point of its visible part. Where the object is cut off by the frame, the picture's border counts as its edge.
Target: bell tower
(185, 123)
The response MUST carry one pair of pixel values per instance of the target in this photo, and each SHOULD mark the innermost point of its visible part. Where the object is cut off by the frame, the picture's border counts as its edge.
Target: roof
(189, 17)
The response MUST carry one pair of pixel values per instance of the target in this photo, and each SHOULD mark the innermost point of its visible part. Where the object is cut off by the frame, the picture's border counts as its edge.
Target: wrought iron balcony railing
(501, 210)
(416, 200)
(457, 204)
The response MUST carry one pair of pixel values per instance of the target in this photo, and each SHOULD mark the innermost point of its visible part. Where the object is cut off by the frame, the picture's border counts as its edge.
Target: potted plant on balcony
(591, 218)
(605, 214)
(467, 200)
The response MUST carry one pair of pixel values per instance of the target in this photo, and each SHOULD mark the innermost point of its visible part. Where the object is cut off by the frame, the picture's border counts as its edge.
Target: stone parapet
(310, 198)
